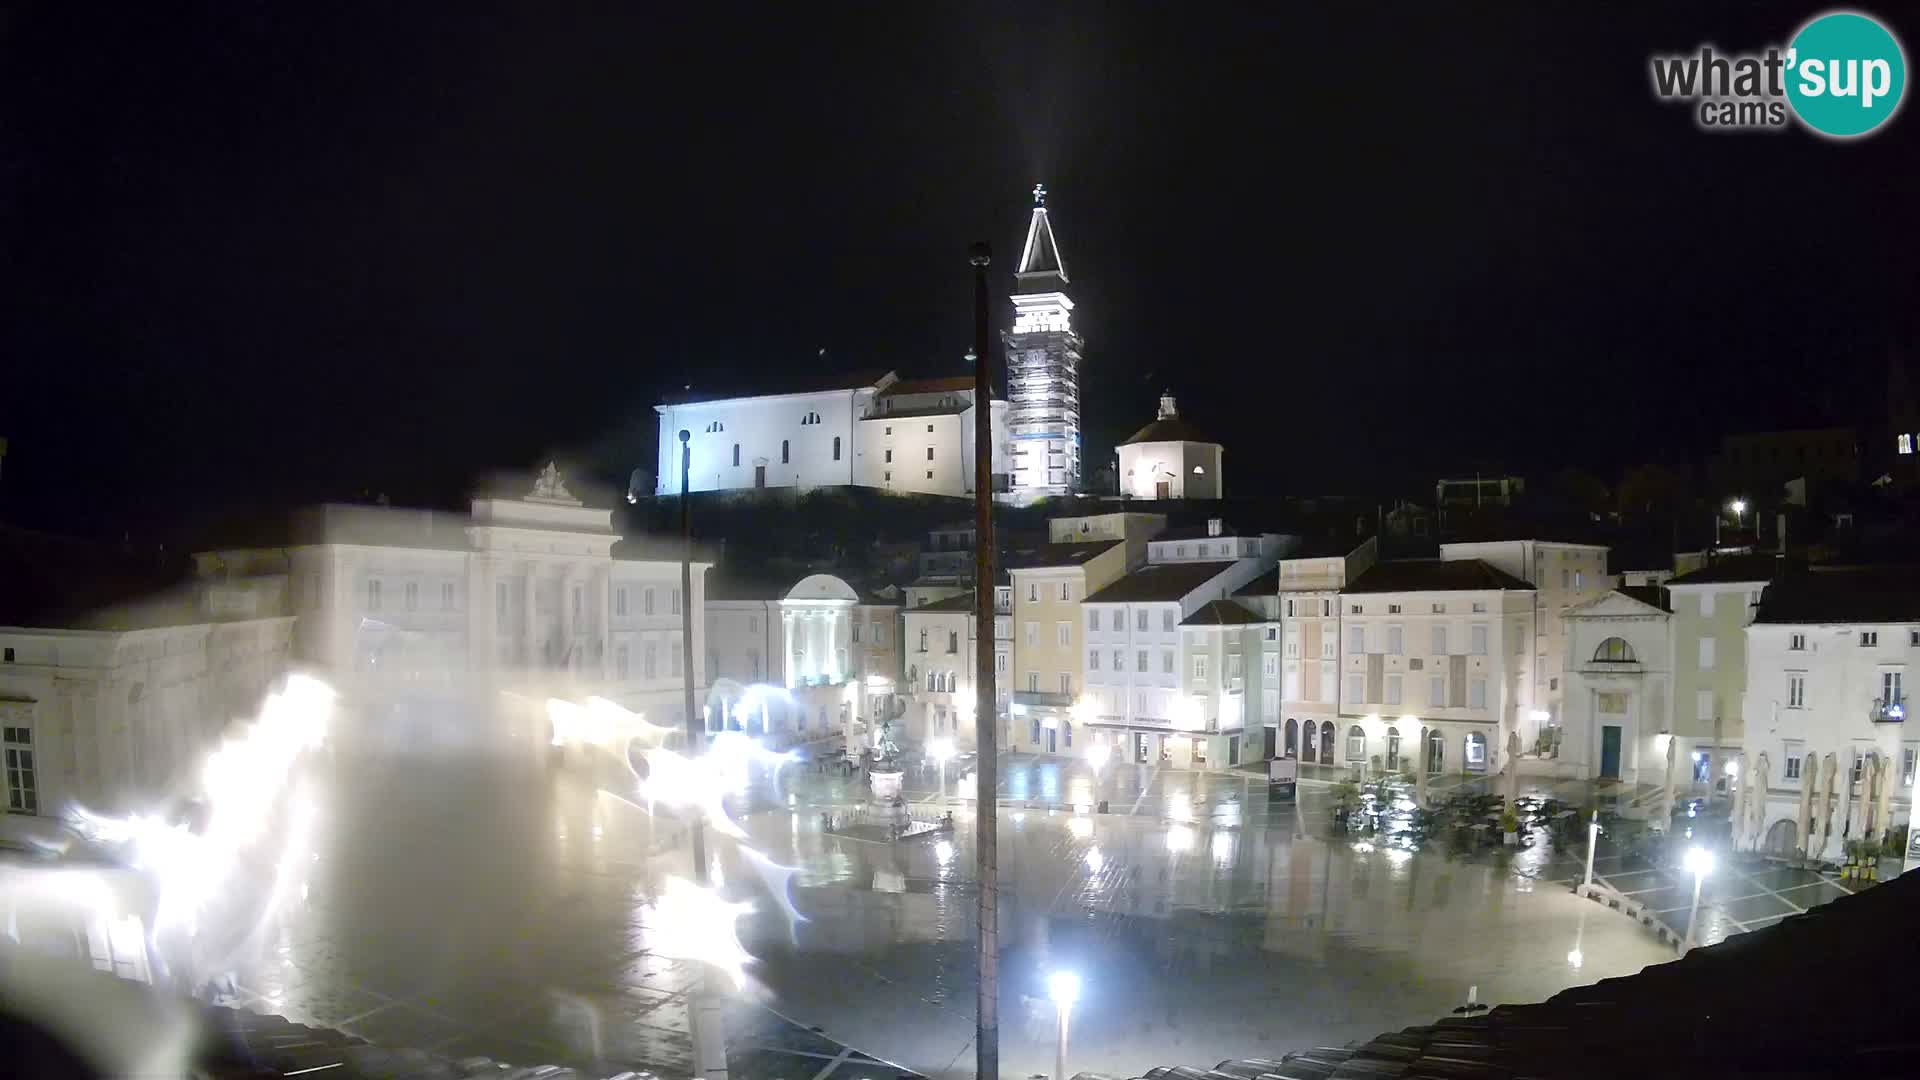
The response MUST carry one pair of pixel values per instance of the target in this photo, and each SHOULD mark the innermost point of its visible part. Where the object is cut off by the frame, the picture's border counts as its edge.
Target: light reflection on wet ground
(478, 906)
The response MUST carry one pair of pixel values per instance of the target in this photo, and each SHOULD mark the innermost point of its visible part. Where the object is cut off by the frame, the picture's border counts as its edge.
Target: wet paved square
(442, 914)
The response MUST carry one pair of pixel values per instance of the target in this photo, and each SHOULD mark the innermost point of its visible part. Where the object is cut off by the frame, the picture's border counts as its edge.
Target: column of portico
(528, 587)
(605, 592)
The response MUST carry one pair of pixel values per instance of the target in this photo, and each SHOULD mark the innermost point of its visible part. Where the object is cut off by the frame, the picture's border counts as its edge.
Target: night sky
(259, 254)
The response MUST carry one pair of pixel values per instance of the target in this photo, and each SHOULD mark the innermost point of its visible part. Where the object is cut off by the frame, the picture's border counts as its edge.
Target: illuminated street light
(1739, 508)
(1097, 755)
(940, 750)
(1700, 862)
(1064, 988)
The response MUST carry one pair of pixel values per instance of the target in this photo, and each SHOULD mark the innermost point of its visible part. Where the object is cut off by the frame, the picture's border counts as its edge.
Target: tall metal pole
(703, 1020)
(986, 719)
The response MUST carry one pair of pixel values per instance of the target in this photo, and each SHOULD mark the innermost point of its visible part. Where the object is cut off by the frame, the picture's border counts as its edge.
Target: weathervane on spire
(1039, 194)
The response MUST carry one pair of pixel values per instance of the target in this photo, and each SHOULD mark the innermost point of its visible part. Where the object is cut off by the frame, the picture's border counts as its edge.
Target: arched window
(1292, 748)
(1614, 651)
(1393, 749)
(1476, 752)
(1436, 752)
(1356, 743)
(785, 456)
(836, 448)
(923, 641)
(1326, 742)
(736, 455)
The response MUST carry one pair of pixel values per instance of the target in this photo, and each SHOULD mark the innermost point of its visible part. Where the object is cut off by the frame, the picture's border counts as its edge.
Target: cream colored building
(942, 645)
(1049, 584)
(1712, 608)
(1619, 690)
(1436, 654)
(1308, 585)
(1563, 575)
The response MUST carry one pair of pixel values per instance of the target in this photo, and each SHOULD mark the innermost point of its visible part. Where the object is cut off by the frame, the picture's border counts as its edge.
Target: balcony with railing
(1888, 710)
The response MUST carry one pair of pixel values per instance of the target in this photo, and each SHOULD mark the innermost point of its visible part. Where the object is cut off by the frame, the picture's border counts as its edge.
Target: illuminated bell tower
(1043, 368)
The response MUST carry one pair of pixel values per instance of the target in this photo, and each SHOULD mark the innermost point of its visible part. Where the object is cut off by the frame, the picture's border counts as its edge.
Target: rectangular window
(1140, 661)
(1166, 620)
(1890, 687)
(1093, 659)
(1326, 608)
(1166, 662)
(678, 659)
(1703, 705)
(1033, 684)
(1118, 620)
(1356, 640)
(1290, 683)
(1293, 646)
(1066, 683)
(1093, 620)
(1797, 642)
(1199, 667)
(1706, 604)
(1566, 578)
(1353, 609)
(446, 596)
(1032, 631)
(673, 601)
(1269, 663)
(929, 453)
(1329, 641)
(1065, 591)
(1437, 692)
(1393, 609)
(620, 601)
(1289, 609)
(1791, 770)
(1329, 683)
(1119, 660)
(1356, 689)
(1707, 648)
(1439, 609)
(1439, 641)
(1393, 689)
(1394, 641)
(1908, 755)
(1063, 634)
(413, 595)
(1270, 703)
(1869, 639)
(620, 665)
(1796, 691)
(856, 633)
(1577, 583)
(1273, 633)
(1477, 693)
(1033, 592)
(1478, 644)
(373, 594)
(999, 663)
(650, 661)
(646, 601)
(1479, 607)
(1140, 620)
(23, 787)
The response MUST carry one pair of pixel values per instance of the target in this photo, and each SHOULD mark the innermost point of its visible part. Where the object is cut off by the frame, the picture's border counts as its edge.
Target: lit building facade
(1043, 367)
(1829, 652)
(1618, 705)
(865, 429)
(1308, 584)
(1712, 607)
(1170, 459)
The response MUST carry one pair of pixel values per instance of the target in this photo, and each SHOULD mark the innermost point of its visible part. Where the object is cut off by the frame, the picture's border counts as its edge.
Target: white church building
(1170, 459)
(863, 429)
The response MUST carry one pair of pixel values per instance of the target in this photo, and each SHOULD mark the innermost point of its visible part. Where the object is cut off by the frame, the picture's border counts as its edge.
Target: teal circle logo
(1845, 74)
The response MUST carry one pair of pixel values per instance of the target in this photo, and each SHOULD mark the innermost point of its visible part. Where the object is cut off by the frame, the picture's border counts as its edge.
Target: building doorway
(1436, 752)
(1393, 749)
(1233, 750)
(1782, 838)
(759, 476)
(1293, 737)
(1142, 746)
(1161, 490)
(1272, 735)
(1306, 743)
(1610, 752)
(1326, 742)
(1052, 736)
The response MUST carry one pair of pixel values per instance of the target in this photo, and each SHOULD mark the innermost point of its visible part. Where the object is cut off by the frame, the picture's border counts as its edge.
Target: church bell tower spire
(1043, 366)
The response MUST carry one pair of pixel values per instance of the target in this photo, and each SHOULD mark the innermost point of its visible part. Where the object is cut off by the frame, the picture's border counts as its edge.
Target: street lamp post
(1064, 988)
(1593, 837)
(1739, 508)
(704, 1018)
(1700, 861)
(986, 848)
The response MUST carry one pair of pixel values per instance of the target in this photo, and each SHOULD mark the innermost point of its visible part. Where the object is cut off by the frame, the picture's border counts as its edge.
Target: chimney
(1167, 411)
